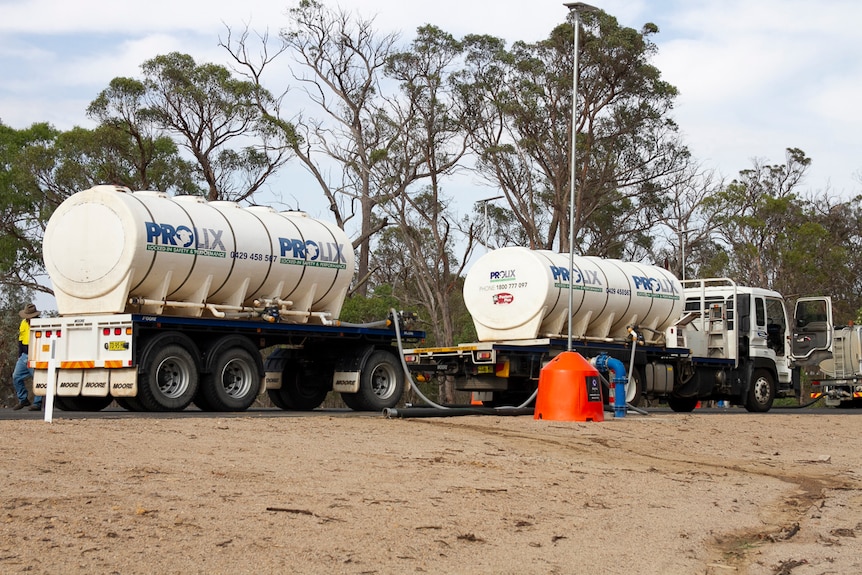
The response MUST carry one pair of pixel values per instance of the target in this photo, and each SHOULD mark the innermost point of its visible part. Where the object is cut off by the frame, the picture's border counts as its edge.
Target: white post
(575, 8)
(52, 384)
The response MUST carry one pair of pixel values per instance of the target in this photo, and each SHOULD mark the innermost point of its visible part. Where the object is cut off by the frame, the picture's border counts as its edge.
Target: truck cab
(740, 342)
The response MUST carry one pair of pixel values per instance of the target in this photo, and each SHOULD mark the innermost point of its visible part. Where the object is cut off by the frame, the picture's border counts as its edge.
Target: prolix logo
(502, 275)
(182, 239)
(311, 253)
(654, 284)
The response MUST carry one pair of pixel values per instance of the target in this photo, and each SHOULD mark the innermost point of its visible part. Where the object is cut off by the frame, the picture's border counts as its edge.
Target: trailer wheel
(682, 404)
(170, 380)
(233, 383)
(60, 403)
(81, 403)
(201, 402)
(129, 403)
(381, 384)
(277, 399)
(294, 393)
(761, 392)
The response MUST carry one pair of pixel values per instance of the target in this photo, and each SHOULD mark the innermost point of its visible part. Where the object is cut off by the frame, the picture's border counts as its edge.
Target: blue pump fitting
(605, 363)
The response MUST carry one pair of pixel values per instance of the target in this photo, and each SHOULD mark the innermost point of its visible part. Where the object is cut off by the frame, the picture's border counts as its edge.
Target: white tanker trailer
(165, 301)
(684, 342)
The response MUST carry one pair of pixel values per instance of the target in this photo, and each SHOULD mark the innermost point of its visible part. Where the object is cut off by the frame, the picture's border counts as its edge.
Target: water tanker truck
(835, 353)
(683, 341)
(164, 301)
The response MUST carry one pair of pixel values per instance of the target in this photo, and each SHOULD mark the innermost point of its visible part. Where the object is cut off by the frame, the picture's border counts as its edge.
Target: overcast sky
(755, 76)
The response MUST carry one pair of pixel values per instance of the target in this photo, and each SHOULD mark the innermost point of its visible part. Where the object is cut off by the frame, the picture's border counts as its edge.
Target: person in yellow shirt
(22, 371)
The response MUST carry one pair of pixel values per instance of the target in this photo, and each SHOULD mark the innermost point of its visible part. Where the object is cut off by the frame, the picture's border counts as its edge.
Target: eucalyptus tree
(213, 115)
(144, 155)
(42, 166)
(23, 206)
(627, 141)
(341, 58)
(686, 226)
(777, 235)
(426, 120)
(758, 214)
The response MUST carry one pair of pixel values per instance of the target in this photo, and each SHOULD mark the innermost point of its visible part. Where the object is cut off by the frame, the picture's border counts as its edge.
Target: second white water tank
(516, 293)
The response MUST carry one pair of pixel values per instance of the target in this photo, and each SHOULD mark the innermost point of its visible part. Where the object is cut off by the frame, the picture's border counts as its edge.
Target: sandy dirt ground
(701, 493)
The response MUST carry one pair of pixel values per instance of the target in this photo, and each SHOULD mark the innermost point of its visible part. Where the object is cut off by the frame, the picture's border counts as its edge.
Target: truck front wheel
(170, 381)
(761, 392)
(682, 404)
(381, 384)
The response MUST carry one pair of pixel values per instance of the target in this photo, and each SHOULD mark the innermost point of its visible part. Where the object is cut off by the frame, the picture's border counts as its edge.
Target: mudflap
(348, 369)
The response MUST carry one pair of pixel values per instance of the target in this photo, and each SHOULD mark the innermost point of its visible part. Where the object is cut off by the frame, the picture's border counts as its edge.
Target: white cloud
(754, 77)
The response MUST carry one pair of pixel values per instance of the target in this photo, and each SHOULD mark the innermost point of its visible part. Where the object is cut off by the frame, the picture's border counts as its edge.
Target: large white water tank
(107, 246)
(516, 293)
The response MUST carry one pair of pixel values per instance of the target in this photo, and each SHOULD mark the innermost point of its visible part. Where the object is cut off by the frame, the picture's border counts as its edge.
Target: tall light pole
(683, 236)
(575, 8)
(487, 222)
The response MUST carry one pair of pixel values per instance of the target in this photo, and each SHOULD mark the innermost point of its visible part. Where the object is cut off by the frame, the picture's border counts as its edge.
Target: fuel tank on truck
(111, 250)
(516, 293)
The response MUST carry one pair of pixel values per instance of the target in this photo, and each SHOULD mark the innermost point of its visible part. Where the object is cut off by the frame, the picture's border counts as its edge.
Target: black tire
(170, 380)
(59, 403)
(81, 403)
(296, 393)
(638, 381)
(381, 384)
(233, 383)
(761, 392)
(129, 403)
(201, 401)
(277, 399)
(682, 404)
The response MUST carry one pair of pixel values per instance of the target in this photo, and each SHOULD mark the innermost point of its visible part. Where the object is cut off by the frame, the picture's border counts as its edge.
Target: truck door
(811, 341)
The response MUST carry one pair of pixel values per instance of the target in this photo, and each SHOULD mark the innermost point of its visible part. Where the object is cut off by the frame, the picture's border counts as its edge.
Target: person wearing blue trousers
(22, 371)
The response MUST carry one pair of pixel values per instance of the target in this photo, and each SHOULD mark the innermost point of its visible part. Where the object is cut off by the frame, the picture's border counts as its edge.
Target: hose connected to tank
(439, 410)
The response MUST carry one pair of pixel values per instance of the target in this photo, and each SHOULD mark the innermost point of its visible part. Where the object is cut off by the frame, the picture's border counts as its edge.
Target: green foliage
(374, 307)
(209, 110)
(626, 143)
(777, 239)
(399, 119)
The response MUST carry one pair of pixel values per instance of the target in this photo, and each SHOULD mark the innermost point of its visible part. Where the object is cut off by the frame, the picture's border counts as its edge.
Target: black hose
(804, 405)
(414, 412)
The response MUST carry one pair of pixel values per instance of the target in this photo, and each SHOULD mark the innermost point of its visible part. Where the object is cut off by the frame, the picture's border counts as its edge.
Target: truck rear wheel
(233, 383)
(761, 392)
(381, 384)
(170, 381)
